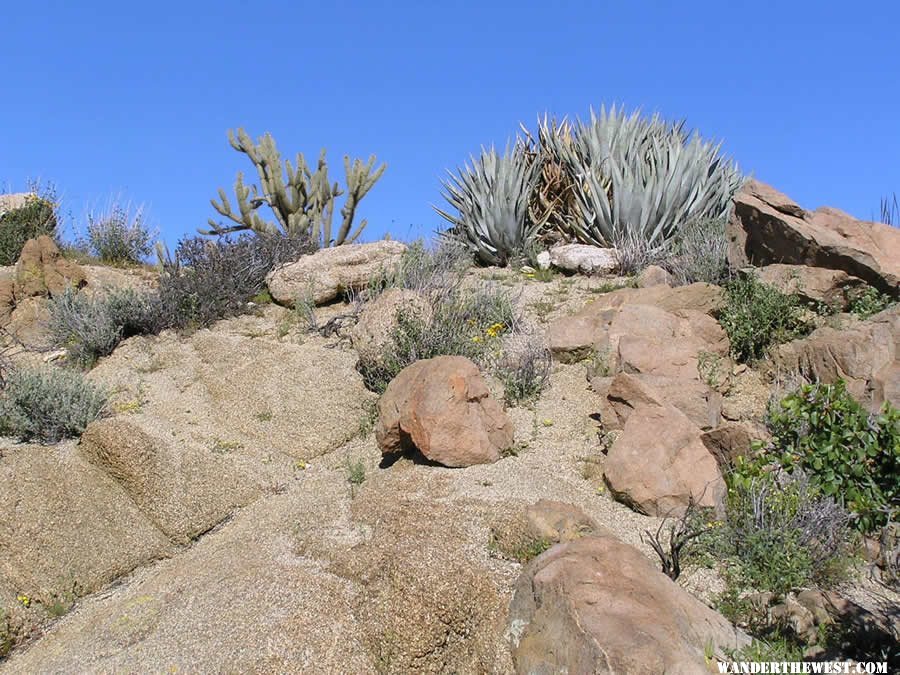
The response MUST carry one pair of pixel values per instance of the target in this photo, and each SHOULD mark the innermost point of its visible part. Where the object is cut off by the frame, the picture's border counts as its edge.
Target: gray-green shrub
(48, 404)
(523, 367)
(91, 327)
(699, 252)
(119, 236)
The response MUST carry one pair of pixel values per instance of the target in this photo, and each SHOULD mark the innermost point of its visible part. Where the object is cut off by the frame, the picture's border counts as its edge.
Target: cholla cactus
(301, 199)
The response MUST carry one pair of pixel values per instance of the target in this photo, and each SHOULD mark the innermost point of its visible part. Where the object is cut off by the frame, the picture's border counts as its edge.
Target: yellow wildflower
(495, 330)
(24, 599)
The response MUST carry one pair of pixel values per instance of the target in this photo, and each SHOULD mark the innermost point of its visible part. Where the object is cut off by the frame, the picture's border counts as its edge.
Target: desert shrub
(783, 533)
(699, 252)
(868, 302)
(207, 280)
(757, 316)
(119, 236)
(523, 367)
(466, 322)
(48, 404)
(848, 453)
(427, 269)
(91, 327)
(36, 217)
(636, 253)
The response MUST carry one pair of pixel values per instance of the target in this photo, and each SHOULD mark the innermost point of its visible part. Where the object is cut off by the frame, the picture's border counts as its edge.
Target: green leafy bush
(868, 302)
(119, 236)
(757, 316)
(849, 454)
(48, 404)
(36, 217)
(207, 280)
(91, 327)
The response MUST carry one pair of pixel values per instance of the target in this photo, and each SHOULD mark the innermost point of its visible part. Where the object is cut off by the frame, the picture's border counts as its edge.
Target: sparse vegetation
(868, 302)
(890, 210)
(91, 327)
(699, 252)
(37, 216)
(682, 534)
(712, 369)
(524, 368)
(119, 236)
(47, 404)
(757, 317)
(520, 547)
(463, 323)
(207, 280)
(356, 472)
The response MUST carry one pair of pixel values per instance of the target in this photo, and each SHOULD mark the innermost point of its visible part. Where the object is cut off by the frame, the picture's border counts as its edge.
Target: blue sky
(135, 99)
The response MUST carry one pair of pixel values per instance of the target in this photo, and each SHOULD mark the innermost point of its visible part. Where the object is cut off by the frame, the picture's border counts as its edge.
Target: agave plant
(640, 178)
(553, 200)
(491, 197)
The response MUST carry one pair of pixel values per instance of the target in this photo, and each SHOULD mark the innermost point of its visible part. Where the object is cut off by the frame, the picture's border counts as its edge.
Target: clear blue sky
(136, 98)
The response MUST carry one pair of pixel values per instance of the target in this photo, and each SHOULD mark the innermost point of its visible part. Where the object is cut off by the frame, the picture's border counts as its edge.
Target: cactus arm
(360, 179)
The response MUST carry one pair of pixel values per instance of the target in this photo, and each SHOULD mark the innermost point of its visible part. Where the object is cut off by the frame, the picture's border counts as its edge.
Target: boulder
(767, 227)
(427, 602)
(515, 532)
(442, 408)
(261, 400)
(42, 271)
(653, 275)
(639, 338)
(29, 322)
(66, 525)
(658, 463)
(14, 201)
(572, 338)
(627, 391)
(584, 259)
(864, 355)
(556, 521)
(183, 489)
(543, 260)
(598, 605)
(834, 288)
(371, 335)
(328, 273)
(731, 440)
(7, 300)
